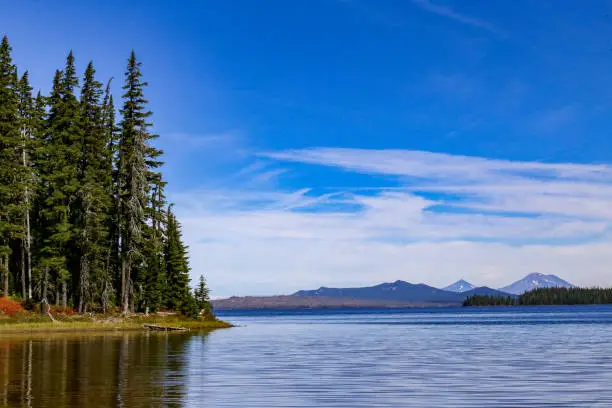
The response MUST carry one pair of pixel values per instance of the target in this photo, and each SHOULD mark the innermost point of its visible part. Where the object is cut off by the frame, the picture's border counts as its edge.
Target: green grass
(32, 323)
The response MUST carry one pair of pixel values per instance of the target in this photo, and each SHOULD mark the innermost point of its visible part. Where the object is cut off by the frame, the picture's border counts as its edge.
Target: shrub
(9, 307)
(62, 310)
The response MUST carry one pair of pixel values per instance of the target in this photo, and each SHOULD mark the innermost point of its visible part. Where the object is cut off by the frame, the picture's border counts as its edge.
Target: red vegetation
(62, 310)
(9, 307)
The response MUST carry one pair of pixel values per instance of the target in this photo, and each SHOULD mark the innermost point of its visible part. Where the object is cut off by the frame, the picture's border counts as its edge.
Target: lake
(445, 357)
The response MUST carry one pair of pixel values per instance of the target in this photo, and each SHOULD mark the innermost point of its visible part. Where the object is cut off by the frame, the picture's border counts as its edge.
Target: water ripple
(514, 357)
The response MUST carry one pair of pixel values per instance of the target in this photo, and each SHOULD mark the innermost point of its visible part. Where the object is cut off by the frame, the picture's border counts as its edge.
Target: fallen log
(46, 309)
(164, 328)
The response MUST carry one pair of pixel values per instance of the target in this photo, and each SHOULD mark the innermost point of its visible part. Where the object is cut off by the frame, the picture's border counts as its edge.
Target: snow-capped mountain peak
(459, 286)
(535, 280)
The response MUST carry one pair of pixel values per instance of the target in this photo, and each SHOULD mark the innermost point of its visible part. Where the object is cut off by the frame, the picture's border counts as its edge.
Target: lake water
(450, 357)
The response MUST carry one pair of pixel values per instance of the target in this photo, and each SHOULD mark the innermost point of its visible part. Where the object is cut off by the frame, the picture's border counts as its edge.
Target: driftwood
(164, 328)
(46, 309)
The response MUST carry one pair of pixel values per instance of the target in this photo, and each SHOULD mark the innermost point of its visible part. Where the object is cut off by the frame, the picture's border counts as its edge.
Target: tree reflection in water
(123, 370)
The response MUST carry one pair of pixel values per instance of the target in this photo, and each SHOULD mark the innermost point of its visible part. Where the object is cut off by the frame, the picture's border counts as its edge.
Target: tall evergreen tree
(11, 170)
(65, 152)
(94, 202)
(30, 121)
(177, 265)
(110, 165)
(38, 160)
(154, 276)
(82, 203)
(44, 251)
(137, 161)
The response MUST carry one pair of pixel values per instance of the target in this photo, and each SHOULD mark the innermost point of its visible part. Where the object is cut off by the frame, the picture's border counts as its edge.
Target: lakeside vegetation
(85, 226)
(15, 319)
(547, 296)
(103, 323)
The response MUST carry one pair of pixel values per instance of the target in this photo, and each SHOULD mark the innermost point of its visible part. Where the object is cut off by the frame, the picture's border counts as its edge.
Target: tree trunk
(29, 252)
(57, 292)
(28, 239)
(45, 284)
(84, 284)
(6, 276)
(104, 296)
(128, 289)
(123, 286)
(64, 295)
(23, 272)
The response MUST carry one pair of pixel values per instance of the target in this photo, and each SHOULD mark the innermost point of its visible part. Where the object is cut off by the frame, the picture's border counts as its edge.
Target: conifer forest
(547, 296)
(84, 221)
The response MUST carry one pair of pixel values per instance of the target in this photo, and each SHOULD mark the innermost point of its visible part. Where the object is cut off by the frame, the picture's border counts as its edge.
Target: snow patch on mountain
(460, 286)
(536, 280)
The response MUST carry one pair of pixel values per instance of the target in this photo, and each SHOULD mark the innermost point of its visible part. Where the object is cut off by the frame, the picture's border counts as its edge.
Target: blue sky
(347, 142)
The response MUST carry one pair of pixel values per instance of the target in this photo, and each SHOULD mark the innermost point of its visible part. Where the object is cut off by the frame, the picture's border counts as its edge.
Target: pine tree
(64, 149)
(94, 202)
(30, 121)
(38, 159)
(154, 277)
(177, 265)
(43, 224)
(82, 203)
(202, 295)
(110, 165)
(137, 159)
(11, 170)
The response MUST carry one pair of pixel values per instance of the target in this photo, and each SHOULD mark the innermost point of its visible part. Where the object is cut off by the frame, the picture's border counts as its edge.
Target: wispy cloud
(451, 216)
(416, 163)
(560, 189)
(459, 17)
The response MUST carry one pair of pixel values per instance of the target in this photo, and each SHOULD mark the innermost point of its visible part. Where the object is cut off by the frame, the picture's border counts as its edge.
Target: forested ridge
(547, 296)
(84, 221)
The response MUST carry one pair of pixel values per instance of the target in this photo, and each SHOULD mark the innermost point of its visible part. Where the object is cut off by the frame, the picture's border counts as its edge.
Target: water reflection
(532, 357)
(122, 370)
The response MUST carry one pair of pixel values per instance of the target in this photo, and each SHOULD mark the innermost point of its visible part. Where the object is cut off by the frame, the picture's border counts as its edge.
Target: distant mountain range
(529, 282)
(395, 294)
(401, 291)
(398, 290)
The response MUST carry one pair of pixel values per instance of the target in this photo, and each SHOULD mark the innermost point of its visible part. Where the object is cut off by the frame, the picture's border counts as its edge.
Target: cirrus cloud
(486, 220)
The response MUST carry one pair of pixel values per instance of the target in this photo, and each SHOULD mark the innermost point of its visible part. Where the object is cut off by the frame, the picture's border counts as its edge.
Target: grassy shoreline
(95, 324)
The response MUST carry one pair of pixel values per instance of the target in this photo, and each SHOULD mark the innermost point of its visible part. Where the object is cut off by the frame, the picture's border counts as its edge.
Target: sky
(343, 143)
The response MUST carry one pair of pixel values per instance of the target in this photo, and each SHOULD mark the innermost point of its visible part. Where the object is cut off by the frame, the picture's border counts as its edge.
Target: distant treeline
(546, 296)
(486, 300)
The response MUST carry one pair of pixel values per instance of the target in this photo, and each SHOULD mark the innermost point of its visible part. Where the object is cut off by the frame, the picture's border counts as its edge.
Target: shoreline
(129, 324)
(14, 319)
(98, 328)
